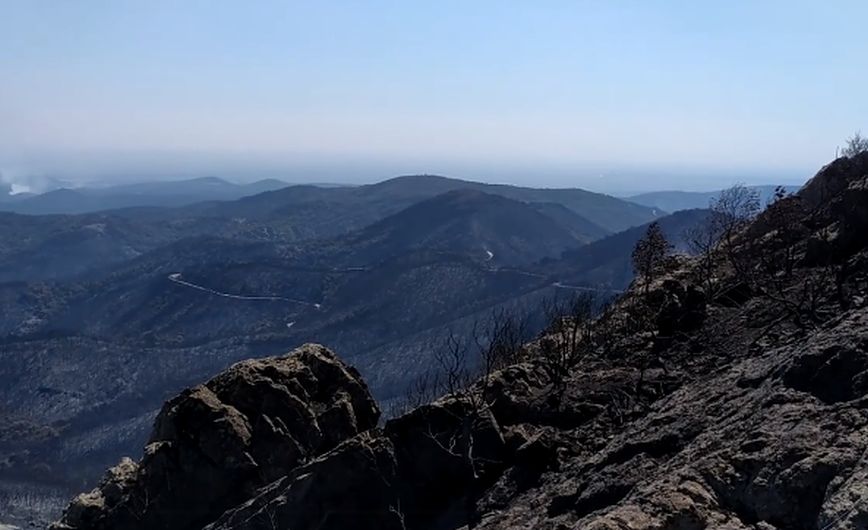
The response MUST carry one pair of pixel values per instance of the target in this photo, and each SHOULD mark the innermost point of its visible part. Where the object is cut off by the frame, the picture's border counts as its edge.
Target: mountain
(205, 188)
(53, 247)
(607, 261)
(300, 207)
(467, 221)
(740, 406)
(289, 214)
(45, 247)
(55, 201)
(605, 211)
(165, 194)
(673, 201)
(369, 203)
(580, 228)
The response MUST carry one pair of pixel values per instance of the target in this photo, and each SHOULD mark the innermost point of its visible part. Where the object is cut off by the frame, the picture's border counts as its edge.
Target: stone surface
(215, 444)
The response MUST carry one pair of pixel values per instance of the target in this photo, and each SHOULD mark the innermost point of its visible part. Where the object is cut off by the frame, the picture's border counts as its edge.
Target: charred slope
(61, 246)
(487, 227)
(741, 408)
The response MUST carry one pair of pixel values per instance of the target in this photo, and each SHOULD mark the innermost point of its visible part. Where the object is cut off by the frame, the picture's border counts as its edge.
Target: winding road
(176, 278)
(561, 285)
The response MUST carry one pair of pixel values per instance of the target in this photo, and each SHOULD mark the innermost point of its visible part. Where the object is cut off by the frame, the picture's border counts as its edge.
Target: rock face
(349, 487)
(742, 411)
(418, 471)
(214, 445)
(764, 442)
(838, 196)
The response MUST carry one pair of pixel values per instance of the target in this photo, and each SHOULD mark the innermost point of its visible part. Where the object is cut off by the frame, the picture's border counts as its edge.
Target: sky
(607, 95)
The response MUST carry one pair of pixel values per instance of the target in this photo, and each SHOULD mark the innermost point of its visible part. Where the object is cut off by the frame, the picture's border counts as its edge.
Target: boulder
(216, 444)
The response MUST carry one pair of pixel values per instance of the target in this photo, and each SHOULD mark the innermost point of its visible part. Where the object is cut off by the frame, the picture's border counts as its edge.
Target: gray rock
(215, 444)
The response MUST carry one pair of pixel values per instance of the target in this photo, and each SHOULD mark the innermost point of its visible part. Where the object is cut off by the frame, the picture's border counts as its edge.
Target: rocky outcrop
(838, 199)
(833, 180)
(759, 445)
(216, 444)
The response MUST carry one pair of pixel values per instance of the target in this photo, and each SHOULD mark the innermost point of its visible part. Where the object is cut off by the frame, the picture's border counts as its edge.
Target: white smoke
(16, 189)
(14, 183)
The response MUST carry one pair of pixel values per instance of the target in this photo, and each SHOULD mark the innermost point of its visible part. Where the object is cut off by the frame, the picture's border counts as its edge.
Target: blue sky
(608, 94)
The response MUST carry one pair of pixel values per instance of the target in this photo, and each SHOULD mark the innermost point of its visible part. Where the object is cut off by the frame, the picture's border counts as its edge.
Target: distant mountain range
(290, 214)
(167, 193)
(672, 201)
(388, 196)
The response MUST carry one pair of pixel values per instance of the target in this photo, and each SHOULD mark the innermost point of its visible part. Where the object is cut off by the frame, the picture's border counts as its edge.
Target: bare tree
(569, 337)
(702, 241)
(500, 340)
(493, 343)
(454, 364)
(778, 240)
(464, 362)
(570, 332)
(731, 211)
(605, 330)
(856, 144)
(651, 254)
(422, 390)
(784, 222)
(467, 364)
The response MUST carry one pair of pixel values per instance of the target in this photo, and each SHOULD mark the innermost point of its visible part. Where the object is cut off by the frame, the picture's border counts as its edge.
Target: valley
(168, 295)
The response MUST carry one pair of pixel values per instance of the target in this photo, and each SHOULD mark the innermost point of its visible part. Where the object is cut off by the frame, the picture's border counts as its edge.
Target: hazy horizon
(615, 98)
(618, 183)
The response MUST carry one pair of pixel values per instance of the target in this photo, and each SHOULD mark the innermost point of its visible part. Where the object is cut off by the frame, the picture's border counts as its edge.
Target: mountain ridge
(290, 214)
(175, 193)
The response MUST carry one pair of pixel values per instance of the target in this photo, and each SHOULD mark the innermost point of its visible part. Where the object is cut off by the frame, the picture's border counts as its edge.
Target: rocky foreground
(744, 408)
